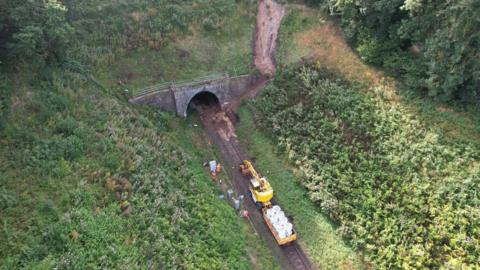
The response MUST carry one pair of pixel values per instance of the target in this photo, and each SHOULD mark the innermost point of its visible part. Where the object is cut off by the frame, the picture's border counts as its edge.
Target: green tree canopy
(445, 33)
(33, 30)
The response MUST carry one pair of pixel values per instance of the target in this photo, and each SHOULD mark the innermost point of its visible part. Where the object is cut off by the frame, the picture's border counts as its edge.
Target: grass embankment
(60, 148)
(64, 137)
(202, 52)
(325, 247)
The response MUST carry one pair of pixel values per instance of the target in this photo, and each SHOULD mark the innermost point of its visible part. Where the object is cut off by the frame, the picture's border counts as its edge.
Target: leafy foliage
(442, 35)
(326, 248)
(33, 30)
(397, 188)
(147, 42)
(55, 31)
(65, 134)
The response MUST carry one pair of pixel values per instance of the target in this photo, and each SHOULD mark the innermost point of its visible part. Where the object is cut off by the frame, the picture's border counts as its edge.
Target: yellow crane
(260, 188)
(262, 194)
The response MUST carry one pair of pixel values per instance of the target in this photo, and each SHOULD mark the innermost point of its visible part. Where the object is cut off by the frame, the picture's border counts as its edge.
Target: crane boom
(262, 195)
(252, 170)
(260, 188)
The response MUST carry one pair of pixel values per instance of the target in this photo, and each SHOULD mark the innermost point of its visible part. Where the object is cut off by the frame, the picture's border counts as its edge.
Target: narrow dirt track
(221, 132)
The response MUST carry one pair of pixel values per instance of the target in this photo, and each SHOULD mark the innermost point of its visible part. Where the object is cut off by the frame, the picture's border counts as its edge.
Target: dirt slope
(269, 16)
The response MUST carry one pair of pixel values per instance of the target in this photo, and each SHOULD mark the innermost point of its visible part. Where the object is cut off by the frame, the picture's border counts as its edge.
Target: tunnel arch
(203, 97)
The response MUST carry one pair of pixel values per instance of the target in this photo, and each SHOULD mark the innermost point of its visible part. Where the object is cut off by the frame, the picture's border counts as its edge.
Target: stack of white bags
(279, 221)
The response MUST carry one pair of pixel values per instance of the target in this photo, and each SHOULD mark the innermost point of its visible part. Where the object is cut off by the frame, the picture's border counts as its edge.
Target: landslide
(269, 18)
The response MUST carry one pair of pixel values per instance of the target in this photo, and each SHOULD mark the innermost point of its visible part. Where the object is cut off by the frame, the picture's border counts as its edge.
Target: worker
(125, 207)
(262, 183)
(123, 186)
(219, 168)
(213, 166)
(244, 170)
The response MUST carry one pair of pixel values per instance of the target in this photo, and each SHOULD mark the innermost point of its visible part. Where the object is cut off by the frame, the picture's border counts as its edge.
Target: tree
(453, 52)
(448, 63)
(33, 30)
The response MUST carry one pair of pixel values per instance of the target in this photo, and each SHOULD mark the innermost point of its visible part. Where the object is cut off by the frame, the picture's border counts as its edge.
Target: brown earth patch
(329, 47)
(269, 17)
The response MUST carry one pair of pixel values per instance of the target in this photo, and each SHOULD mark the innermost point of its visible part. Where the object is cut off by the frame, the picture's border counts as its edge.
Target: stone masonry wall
(177, 99)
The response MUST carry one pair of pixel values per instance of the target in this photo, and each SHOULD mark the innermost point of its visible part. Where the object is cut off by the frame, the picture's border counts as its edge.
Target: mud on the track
(220, 127)
(221, 130)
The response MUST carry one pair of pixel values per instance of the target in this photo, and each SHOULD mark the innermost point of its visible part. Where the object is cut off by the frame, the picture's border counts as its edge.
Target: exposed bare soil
(269, 17)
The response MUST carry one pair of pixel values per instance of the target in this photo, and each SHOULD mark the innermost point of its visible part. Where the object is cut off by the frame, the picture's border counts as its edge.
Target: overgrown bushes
(433, 45)
(64, 134)
(108, 29)
(397, 188)
(60, 147)
(93, 32)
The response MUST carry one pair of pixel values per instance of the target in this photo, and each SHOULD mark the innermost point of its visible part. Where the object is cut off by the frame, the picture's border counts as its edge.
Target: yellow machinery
(262, 194)
(260, 188)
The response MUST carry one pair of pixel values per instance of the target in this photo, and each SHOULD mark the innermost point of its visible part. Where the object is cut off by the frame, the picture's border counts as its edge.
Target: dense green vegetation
(399, 189)
(42, 29)
(135, 43)
(66, 131)
(142, 43)
(433, 45)
(57, 157)
(325, 246)
(33, 30)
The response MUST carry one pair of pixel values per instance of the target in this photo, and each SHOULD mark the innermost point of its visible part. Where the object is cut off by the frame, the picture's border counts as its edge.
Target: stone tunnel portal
(202, 101)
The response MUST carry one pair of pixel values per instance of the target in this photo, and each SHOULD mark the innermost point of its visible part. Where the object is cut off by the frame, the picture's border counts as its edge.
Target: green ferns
(397, 188)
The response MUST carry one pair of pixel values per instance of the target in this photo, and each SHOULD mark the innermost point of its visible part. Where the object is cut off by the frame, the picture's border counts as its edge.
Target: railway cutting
(215, 98)
(220, 129)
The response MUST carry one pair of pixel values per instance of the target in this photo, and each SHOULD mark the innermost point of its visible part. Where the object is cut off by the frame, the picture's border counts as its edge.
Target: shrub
(66, 126)
(7, 198)
(38, 36)
(399, 190)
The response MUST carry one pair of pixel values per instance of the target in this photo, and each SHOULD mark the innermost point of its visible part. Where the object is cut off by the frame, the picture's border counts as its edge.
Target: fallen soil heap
(269, 17)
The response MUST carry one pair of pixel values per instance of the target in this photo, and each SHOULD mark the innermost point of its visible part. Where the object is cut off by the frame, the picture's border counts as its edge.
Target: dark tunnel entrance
(202, 101)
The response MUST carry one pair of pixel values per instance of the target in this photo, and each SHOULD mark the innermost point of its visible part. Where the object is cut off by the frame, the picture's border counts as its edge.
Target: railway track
(296, 257)
(291, 256)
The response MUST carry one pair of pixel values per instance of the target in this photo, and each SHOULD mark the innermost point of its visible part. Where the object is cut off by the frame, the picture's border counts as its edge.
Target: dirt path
(269, 17)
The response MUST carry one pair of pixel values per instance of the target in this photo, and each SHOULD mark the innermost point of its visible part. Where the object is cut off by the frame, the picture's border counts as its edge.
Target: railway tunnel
(202, 101)
(178, 97)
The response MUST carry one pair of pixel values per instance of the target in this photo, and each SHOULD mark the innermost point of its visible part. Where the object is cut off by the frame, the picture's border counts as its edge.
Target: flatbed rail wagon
(262, 194)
